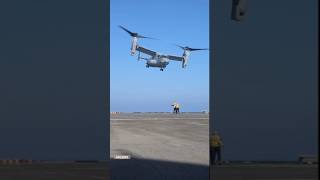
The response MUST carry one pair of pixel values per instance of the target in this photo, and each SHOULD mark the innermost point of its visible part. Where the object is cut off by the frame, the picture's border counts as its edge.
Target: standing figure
(174, 107)
(215, 148)
(177, 108)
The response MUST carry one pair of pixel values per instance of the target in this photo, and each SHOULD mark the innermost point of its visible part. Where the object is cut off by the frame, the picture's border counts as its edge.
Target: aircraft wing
(175, 58)
(146, 51)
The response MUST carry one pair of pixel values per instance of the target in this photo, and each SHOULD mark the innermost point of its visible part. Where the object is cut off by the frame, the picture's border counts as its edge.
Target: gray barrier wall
(54, 80)
(264, 79)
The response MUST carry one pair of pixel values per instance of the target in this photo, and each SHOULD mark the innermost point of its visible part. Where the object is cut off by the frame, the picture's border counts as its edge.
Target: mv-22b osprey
(156, 59)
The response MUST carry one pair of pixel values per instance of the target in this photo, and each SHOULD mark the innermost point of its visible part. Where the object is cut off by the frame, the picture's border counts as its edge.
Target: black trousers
(215, 152)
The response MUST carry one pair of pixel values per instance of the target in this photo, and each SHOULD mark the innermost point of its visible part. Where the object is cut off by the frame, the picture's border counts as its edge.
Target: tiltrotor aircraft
(157, 59)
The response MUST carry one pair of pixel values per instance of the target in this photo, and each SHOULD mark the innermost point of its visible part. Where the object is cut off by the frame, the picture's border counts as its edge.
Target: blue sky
(137, 88)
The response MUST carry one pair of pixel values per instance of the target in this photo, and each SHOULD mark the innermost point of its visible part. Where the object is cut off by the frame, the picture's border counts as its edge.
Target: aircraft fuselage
(159, 62)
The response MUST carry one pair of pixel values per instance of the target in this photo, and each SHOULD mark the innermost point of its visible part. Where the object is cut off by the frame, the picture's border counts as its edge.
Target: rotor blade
(140, 36)
(180, 46)
(131, 33)
(190, 49)
(194, 49)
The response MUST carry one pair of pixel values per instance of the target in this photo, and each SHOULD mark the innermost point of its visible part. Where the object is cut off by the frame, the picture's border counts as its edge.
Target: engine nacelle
(134, 44)
(185, 56)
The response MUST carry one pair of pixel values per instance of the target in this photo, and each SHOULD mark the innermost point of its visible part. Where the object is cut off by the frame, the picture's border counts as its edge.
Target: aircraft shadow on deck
(146, 169)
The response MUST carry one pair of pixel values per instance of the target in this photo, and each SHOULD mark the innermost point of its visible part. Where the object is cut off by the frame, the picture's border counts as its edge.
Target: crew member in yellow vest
(215, 148)
(177, 108)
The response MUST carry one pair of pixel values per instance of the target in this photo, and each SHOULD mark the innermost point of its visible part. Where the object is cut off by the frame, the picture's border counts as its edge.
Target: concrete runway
(181, 138)
(161, 145)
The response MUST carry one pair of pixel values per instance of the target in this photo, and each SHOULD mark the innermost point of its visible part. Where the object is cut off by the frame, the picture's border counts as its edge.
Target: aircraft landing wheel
(161, 69)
